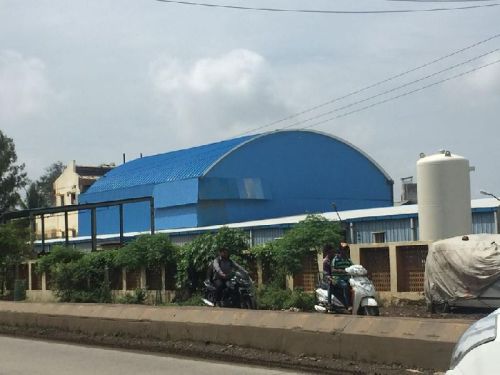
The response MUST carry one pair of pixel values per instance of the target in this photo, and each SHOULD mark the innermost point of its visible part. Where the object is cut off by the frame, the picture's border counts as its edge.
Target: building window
(378, 237)
(73, 198)
(62, 199)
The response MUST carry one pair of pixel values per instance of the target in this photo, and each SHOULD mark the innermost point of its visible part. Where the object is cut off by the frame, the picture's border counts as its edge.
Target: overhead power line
(326, 11)
(391, 90)
(440, 1)
(403, 94)
(365, 88)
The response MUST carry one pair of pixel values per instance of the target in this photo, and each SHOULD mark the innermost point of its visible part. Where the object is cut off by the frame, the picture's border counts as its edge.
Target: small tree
(150, 251)
(14, 248)
(12, 175)
(45, 184)
(286, 255)
(196, 256)
(78, 276)
(34, 198)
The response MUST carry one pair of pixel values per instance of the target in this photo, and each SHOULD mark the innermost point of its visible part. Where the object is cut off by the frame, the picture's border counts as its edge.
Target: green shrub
(273, 298)
(138, 297)
(194, 300)
(19, 290)
(195, 257)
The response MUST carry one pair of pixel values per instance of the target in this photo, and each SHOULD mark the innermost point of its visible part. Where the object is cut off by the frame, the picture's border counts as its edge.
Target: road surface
(35, 357)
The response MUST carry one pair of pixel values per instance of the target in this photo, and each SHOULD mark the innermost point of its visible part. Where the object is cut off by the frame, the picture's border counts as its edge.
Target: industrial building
(267, 183)
(255, 177)
(73, 181)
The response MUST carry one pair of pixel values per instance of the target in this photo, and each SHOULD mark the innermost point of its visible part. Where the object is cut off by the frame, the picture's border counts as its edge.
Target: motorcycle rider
(339, 276)
(327, 270)
(223, 267)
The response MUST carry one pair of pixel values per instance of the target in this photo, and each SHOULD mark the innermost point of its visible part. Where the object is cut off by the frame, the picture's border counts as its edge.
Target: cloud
(486, 80)
(216, 95)
(24, 87)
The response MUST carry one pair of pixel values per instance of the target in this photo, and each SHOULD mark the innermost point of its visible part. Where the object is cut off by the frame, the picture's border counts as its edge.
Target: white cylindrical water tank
(443, 190)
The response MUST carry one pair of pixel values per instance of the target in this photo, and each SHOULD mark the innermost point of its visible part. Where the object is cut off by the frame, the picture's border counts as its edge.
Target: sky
(90, 80)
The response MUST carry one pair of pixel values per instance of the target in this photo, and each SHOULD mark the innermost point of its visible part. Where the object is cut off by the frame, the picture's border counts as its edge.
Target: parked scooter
(238, 292)
(363, 300)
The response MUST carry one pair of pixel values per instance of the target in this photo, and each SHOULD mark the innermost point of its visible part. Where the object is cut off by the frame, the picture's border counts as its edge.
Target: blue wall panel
(305, 172)
(176, 193)
(176, 217)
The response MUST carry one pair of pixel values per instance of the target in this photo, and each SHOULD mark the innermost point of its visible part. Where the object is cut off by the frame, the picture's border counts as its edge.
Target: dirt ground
(418, 309)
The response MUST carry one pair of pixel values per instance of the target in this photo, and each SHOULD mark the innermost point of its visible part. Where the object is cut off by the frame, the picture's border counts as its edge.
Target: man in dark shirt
(327, 270)
(223, 267)
(339, 276)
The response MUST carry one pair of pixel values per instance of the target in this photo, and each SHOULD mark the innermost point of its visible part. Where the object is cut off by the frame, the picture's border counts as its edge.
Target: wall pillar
(289, 282)
(355, 254)
(260, 278)
(142, 283)
(163, 278)
(319, 258)
(44, 281)
(393, 263)
(29, 276)
(124, 279)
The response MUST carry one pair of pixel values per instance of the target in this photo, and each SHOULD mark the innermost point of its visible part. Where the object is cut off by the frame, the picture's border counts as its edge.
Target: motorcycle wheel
(248, 303)
(370, 310)
(210, 296)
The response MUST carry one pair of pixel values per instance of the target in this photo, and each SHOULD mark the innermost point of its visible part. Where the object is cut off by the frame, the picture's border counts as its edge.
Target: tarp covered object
(460, 269)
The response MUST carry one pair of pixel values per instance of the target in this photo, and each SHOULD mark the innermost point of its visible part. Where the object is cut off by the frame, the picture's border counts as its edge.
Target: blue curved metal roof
(170, 166)
(188, 163)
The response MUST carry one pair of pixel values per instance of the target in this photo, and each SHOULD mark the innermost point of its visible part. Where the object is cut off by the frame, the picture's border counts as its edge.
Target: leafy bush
(137, 297)
(84, 277)
(19, 290)
(150, 251)
(194, 300)
(308, 235)
(273, 298)
(79, 277)
(285, 256)
(196, 256)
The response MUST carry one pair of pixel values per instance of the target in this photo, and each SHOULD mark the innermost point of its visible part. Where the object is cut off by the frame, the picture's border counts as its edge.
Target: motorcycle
(362, 299)
(237, 294)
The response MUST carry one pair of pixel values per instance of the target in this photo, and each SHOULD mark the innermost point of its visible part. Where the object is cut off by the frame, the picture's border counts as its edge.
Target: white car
(478, 349)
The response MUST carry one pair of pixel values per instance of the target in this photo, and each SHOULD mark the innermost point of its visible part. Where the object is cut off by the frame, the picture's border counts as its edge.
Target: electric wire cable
(365, 88)
(392, 89)
(402, 95)
(324, 11)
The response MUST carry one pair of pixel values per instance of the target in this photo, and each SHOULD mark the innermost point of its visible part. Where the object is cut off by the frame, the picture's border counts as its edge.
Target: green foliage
(196, 256)
(14, 248)
(150, 251)
(308, 235)
(34, 198)
(194, 300)
(19, 290)
(268, 255)
(285, 256)
(12, 175)
(84, 277)
(14, 243)
(58, 255)
(274, 298)
(79, 277)
(138, 297)
(45, 183)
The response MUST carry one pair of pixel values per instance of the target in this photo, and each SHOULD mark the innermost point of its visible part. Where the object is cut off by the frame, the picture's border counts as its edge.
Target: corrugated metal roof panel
(170, 166)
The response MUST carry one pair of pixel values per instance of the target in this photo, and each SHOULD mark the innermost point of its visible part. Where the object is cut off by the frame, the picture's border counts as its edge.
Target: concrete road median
(411, 342)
